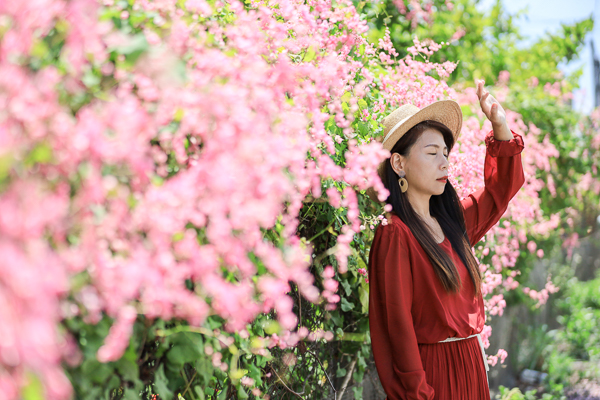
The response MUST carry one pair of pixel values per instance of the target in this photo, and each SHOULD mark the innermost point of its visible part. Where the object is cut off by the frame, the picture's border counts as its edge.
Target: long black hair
(446, 208)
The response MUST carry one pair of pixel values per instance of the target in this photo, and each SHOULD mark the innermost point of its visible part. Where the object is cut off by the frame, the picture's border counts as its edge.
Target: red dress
(409, 310)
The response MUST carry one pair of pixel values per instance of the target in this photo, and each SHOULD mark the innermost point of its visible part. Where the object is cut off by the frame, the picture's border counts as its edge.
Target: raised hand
(493, 111)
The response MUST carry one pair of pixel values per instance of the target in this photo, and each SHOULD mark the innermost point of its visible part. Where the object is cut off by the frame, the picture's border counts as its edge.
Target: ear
(398, 162)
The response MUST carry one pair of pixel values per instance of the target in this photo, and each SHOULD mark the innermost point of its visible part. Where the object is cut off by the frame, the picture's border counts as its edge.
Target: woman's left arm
(503, 172)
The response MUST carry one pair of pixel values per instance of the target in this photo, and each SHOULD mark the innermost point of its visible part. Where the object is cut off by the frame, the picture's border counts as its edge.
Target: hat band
(395, 127)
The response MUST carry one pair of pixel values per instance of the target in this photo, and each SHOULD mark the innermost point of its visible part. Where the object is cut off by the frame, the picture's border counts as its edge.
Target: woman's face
(425, 164)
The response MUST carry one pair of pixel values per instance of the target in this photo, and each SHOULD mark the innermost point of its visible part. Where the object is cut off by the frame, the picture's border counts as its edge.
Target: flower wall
(190, 175)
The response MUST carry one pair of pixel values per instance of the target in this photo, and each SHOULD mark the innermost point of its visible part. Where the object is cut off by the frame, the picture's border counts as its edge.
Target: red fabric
(409, 310)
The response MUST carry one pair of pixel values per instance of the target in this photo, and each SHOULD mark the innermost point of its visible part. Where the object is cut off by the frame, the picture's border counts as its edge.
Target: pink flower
(534, 81)
(118, 338)
(503, 77)
(457, 35)
(540, 253)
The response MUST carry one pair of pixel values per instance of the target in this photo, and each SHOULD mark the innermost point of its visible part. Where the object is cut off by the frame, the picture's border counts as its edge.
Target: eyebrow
(435, 145)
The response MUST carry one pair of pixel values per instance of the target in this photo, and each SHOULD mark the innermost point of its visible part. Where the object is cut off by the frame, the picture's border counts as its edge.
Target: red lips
(445, 178)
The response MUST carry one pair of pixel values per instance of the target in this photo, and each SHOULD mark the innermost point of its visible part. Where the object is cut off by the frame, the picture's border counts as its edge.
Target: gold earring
(403, 182)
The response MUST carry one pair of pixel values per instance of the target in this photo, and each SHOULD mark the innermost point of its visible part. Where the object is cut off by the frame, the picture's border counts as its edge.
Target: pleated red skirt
(455, 370)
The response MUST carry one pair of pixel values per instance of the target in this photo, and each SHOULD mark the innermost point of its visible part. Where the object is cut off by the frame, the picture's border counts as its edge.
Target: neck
(420, 203)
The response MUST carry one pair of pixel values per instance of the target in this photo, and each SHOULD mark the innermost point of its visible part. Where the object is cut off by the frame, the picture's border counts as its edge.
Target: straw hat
(399, 121)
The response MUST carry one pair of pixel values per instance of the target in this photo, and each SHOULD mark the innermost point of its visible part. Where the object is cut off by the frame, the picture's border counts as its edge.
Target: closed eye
(433, 154)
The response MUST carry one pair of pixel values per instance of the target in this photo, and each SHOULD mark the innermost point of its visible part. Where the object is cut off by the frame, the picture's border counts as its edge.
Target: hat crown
(400, 114)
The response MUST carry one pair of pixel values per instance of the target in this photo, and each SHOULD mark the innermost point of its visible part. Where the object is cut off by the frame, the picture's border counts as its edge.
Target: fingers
(480, 90)
(483, 98)
(494, 111)
(489, 105)
(485, 103)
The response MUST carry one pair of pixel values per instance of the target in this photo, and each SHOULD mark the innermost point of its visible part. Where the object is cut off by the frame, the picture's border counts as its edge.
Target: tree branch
(285, 386)
(348, 376)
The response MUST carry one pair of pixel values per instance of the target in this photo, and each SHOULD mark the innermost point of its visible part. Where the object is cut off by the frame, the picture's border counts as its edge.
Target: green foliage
(575, 349)
(166, 359)
(581, 313)
(491, 42)
(516, 394)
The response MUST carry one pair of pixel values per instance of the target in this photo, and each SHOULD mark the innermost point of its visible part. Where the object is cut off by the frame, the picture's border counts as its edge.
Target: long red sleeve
(391, 297)
(503, 177)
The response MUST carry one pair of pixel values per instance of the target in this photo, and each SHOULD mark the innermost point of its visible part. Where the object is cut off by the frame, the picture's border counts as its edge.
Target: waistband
(454, 339)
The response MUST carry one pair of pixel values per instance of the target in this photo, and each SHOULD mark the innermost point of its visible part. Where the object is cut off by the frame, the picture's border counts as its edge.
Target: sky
(546, 16)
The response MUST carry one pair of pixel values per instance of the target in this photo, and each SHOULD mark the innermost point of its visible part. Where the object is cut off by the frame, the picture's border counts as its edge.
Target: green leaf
(178, 116)
(222, 395)
(346, 286)
(346, 305)
(363, 295)
(363, 129)
(134, 44)
(361, 363)
(113, 383)
(131, 394)
(340, 372)
(96, 371)
(242, 393)
(6, 161)
(272, 327)
(42, 153)
(310, 54)
(205, 369)
(213, 323)
(128, 369)
(181, 354)
(33, 390)
(199, 393)
(90, 79)
(345, 108)
(336, 317)
(237, 374)
(160, 382)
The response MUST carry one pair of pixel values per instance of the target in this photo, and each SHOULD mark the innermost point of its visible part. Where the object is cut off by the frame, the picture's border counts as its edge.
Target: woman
(425, 303)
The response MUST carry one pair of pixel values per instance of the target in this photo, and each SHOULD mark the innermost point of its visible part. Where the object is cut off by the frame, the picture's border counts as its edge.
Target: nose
(445, 163)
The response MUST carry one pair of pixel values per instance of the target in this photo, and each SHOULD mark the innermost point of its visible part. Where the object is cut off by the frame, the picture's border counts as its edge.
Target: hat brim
(447, 112)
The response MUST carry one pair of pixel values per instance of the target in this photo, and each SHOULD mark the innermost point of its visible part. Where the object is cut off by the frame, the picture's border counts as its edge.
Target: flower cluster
(331, 286)
(155, 156)
(501, 355)
(136, 163)
(417, 11)
(542, 295)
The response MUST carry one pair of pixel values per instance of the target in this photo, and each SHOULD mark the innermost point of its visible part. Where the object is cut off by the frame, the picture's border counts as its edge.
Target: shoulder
(395, 227)
(392, 244)
(395, 221)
